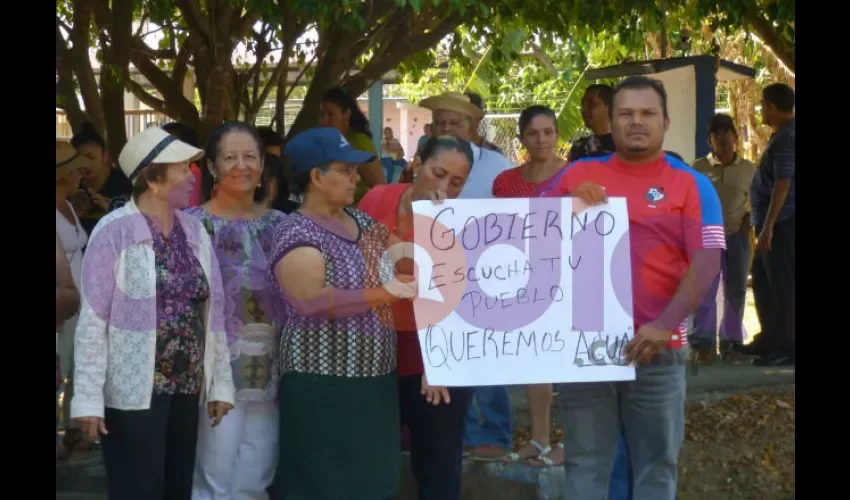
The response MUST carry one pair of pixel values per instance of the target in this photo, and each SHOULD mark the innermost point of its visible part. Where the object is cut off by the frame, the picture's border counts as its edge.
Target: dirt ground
(741, 447)
(736, 448)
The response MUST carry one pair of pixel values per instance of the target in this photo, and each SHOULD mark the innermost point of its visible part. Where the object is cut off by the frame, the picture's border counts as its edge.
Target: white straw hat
(452, 101)
(154, 145)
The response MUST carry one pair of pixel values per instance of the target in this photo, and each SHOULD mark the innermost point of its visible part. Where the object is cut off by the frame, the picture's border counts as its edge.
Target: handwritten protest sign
(523, 291)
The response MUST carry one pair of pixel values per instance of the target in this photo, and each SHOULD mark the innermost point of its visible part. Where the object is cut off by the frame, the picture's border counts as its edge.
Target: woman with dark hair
(434, 416)
(104, 188)
(340, 111)
(241, 231)
(150, 345)
(277, 193)
(338, 386)
(538, 133)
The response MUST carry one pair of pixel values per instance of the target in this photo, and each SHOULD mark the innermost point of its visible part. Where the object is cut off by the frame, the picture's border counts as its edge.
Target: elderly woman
(434, 416)
(338, 386)
(241, 230)
(150, 343)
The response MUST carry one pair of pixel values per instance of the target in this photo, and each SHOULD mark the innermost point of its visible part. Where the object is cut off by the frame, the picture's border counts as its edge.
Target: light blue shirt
(487, 165)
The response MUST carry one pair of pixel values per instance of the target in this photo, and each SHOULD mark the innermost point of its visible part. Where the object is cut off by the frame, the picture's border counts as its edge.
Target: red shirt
(673, 212)
(511, 184)
(381, 203)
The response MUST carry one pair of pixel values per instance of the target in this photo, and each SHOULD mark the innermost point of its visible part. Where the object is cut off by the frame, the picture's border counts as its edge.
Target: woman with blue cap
(338, 396)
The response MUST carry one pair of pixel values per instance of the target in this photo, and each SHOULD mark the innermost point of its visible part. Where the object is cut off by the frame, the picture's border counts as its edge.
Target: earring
(155, 191)
(259, 184)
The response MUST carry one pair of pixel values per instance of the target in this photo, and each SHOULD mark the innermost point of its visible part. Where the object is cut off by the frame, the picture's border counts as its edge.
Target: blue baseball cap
(319, 146)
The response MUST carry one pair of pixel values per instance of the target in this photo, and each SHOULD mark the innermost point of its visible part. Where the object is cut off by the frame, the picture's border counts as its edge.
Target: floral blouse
(181, 288)
(253, 307)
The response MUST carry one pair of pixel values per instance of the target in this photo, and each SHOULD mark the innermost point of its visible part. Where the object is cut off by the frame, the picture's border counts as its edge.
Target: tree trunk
(328, 73)
(82, 16)
(66, 94)
(217, 108)
(783, 49)
(115, 70)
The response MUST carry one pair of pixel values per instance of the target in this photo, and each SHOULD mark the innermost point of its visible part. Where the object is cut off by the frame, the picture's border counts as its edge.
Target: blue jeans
(392, 169)
(620, 485)
(649, 412)
(490, 404)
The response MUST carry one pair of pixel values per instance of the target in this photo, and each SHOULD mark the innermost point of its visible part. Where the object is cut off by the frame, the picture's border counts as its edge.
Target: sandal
(543, 459)
(514, 456)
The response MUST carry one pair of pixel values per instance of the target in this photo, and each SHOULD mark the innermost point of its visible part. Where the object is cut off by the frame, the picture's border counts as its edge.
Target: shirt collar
(477, 151)
(716, 163)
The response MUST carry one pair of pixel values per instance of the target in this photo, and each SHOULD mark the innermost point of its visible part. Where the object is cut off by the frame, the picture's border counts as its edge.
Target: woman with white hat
(150, 344)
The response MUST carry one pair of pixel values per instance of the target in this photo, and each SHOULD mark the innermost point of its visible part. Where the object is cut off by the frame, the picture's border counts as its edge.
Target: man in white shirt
(488, 426)
(454, 114)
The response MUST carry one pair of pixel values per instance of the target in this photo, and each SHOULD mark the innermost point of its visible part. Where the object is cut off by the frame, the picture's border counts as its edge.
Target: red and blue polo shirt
(673, 210)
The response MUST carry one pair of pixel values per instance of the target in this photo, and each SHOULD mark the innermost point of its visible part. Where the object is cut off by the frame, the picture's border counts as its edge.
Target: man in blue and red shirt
(677, 238)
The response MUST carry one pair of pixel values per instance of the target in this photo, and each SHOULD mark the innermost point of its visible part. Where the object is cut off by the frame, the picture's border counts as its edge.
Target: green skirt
(339, 438)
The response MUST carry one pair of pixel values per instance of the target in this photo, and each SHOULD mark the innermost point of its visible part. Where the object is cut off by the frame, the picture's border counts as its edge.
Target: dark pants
(150, 454)
(773, 289)
(436, 438)
(734, 271)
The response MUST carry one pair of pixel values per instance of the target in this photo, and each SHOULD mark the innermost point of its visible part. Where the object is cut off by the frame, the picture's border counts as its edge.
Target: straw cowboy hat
(452, 101)
(67, 159)
(154, 145)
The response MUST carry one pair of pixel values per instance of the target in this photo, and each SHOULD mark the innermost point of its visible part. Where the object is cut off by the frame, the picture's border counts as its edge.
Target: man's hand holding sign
(649, 340)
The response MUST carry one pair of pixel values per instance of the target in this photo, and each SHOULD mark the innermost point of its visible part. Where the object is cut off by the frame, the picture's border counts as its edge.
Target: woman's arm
(301, 276)
(67, 297)
(100, 263)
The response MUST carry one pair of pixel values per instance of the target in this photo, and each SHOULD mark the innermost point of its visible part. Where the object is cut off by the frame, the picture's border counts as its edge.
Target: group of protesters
(231, 325)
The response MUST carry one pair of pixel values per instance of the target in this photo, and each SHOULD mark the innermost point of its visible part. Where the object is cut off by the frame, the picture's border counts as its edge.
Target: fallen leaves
(740, 447)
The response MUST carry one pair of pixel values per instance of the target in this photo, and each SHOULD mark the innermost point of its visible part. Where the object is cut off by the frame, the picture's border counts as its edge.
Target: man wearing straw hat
(488, 427)
(454, 114)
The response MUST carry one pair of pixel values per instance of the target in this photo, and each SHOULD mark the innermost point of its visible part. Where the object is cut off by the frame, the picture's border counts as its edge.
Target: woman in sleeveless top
(73, 239)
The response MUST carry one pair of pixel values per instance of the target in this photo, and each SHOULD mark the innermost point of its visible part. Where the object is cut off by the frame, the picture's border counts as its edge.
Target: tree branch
(783, 50)
(397, 51)
(79, 51)
(66, 95)
(181, 65)
(195, 19)
(176, 105)
(544, 60)
(144, 96)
